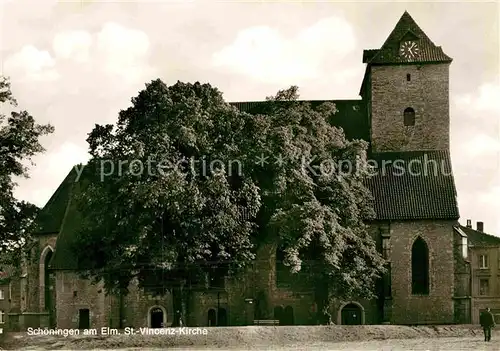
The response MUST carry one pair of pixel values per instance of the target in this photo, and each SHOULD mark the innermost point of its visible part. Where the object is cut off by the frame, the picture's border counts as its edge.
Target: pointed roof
(50, 218)
(406, 29)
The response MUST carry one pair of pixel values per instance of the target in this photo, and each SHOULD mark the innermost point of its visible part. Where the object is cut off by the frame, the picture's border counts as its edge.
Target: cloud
(483, 103)
(122, 50)
(482, 145)
(476, 144)
(73, 45)
(31, 64)
(265, 54)
(97, 73)
(50, 170)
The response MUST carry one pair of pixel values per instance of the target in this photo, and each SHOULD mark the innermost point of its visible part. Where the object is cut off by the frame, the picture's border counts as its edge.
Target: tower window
(409, 117)
(408, 77)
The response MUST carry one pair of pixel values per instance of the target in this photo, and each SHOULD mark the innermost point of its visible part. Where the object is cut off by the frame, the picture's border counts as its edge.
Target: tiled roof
(369, 54)
(405, 28)
(479, 239)
(405, 189)
(351, 115)
(63, 257)
(50, 218)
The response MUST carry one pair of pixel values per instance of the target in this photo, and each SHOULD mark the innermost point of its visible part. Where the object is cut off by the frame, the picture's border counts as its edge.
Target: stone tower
(406, 86)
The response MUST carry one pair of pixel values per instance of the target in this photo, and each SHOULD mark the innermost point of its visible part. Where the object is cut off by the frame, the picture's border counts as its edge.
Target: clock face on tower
(409, 50)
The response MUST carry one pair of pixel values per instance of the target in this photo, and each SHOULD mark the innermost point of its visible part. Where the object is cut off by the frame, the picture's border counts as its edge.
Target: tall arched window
(409, 116)
(282, 271)
(419, 268)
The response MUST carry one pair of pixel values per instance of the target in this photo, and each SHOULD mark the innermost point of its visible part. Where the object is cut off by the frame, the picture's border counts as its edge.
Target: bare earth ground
(367, 337)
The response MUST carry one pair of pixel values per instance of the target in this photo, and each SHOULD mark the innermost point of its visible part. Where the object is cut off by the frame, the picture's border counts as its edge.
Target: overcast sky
(75, 64)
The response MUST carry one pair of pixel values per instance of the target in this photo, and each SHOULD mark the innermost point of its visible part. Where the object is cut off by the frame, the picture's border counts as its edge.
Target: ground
(383, 338)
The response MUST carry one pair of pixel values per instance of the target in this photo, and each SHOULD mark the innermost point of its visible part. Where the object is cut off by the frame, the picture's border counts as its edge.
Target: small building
(484, 259)
(4, 301)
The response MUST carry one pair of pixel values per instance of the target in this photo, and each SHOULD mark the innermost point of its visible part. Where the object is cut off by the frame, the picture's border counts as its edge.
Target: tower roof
(405, 29)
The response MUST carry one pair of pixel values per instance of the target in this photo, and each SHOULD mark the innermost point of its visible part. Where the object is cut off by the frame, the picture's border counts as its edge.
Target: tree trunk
(179, 300)
(322, 302)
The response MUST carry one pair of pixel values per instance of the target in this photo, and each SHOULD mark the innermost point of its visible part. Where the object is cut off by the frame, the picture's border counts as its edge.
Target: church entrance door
(156, 317)
(351, 314)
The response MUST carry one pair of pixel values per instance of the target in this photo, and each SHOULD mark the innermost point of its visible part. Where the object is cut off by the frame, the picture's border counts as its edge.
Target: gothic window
(282, 271)
(419, 267)
(386, 253)
(409, 117)
(408, 77)
(387, 283)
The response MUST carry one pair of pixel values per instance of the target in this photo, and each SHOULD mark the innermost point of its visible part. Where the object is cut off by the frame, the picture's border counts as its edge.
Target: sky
(75, 64)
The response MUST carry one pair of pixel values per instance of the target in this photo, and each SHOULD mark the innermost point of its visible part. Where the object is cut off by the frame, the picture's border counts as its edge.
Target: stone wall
(437, 307)
(427, 93)
(74, 294)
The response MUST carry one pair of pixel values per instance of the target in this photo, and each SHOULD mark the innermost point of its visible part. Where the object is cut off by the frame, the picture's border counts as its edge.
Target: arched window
(47, 285)
(409, 117)
(282, 271)
(419, 268)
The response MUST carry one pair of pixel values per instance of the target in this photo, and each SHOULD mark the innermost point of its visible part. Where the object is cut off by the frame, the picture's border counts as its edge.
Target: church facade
(404, 115)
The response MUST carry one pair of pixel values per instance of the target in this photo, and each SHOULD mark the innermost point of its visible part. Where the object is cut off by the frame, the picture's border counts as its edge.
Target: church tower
(406, 86)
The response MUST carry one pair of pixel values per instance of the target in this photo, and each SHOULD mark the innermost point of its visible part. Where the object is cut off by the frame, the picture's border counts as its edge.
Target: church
(404, 115)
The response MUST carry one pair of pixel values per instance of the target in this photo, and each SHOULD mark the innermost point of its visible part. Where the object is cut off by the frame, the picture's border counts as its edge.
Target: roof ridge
(479, 232)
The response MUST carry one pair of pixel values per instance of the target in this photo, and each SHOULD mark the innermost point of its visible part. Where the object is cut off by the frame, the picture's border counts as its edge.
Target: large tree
(317, 201)
(178, 217)
(19, 142)
(168, 226)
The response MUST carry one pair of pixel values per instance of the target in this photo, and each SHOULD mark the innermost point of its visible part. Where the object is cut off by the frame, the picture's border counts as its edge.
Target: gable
(51, 216)
(408, 28)
(409, 36)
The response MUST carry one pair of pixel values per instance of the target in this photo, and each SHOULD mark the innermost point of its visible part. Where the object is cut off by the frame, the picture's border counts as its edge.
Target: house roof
(405, 188)
(405, 29)
(50, 217)
(63, 257)
(477, 238)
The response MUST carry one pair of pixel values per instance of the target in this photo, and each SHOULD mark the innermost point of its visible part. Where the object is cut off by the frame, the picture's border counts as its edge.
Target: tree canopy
(185, 184)
(19, 142)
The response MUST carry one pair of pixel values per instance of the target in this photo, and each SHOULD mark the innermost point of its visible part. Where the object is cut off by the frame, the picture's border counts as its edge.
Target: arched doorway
(212, 318)
(288, 318)
(157, 317)
(278, 314)
(222, 317)
(351, 314)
